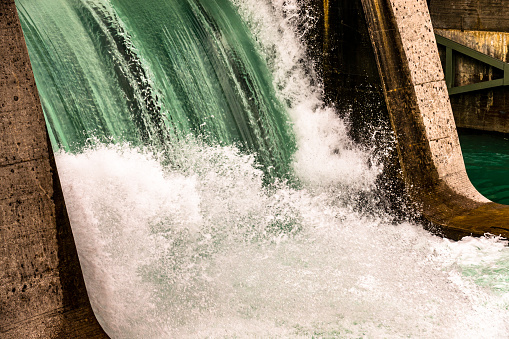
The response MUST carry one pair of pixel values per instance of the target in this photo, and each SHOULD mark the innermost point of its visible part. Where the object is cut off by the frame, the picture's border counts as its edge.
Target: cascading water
(210, 191)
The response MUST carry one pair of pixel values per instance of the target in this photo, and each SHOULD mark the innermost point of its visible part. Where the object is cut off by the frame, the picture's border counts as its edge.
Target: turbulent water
(213, 195)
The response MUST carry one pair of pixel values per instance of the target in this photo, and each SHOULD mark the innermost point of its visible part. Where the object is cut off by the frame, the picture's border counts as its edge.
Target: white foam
(326, 156)
(206, 250)
(202, 249)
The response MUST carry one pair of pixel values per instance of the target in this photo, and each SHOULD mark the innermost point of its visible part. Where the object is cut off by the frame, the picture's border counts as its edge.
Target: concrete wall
(421, 115)
(475, 15)
(42, 292)
(482, 25)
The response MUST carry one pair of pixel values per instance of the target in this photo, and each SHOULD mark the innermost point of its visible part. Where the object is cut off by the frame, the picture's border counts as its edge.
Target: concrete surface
(478, 15)
(416, 96)
(42, 292)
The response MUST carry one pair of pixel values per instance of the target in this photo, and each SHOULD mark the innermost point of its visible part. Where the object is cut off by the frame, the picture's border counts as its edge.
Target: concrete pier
(421, 116)
(42, 292)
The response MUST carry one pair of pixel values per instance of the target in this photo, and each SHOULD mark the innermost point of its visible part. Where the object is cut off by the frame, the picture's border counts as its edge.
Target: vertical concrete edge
(413, 82)
(42, 291)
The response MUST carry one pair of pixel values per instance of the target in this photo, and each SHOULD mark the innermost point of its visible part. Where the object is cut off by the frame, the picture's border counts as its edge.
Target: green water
(487, 161)
(151, 72)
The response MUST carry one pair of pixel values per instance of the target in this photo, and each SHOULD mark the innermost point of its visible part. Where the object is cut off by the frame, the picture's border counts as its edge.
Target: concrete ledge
(421, 116)
(42, 292)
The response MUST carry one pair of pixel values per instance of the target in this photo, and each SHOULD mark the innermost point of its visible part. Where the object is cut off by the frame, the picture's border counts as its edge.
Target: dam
(217, 186)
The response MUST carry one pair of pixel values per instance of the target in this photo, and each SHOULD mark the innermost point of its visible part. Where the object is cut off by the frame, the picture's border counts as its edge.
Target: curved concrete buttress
(42, 292)
(421, 116)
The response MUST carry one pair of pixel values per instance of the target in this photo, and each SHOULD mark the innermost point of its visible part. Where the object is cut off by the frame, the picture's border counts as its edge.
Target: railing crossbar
(452, 47)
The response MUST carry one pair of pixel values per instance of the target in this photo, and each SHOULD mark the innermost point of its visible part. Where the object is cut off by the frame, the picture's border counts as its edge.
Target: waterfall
(212, 193)
(152, 73)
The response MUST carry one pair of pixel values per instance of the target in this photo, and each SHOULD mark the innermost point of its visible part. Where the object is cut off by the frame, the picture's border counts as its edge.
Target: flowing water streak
(322, 138)
(206, 249)
(153, 72)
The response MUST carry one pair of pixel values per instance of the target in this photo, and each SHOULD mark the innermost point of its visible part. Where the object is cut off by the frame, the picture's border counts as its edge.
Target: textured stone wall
(42, 293)
(427, 78)
(421, 75)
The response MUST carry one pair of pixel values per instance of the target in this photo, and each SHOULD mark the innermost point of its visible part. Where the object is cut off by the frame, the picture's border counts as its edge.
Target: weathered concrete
(42, 292)
(416, 95)
(477, 15)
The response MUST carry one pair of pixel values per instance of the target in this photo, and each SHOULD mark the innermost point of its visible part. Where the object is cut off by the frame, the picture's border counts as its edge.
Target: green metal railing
(454, 47)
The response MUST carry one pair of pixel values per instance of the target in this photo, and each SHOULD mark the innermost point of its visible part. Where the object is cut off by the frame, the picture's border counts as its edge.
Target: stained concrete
(416, 96)
(479, 15)
(42, 292)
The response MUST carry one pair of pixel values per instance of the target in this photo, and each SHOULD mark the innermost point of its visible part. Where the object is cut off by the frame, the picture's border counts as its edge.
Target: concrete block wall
(42, 292)
(427, 77)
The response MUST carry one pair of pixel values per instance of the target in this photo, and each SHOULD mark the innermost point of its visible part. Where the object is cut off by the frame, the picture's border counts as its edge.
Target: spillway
(213, 194)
